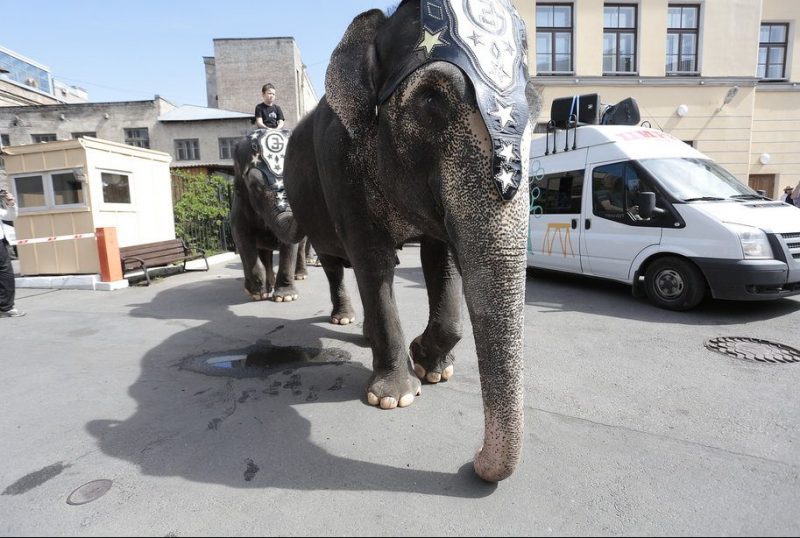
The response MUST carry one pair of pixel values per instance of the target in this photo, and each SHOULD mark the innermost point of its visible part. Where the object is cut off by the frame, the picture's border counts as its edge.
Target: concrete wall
(242, 66)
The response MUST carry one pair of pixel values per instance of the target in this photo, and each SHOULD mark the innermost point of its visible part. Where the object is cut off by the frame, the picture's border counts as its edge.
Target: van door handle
(587, 224)
(574, 224)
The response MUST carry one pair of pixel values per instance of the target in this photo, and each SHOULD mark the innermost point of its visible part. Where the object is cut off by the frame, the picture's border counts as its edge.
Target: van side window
(608, 191)
(561, 193)
(615, 193)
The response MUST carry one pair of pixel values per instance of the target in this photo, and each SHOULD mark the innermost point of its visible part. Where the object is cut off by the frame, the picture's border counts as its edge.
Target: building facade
(26, 82)
(240, 67)
(719, 74)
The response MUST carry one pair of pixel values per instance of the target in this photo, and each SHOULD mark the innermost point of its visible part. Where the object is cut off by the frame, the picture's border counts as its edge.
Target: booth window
(49, 190)
(116, 188)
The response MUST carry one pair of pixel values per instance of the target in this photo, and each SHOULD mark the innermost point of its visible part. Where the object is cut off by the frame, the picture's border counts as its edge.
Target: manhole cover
(263, 359)
(754, 349)
(89, 492)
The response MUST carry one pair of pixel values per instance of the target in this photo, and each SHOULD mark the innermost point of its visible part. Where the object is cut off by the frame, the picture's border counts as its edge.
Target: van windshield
(697, 179)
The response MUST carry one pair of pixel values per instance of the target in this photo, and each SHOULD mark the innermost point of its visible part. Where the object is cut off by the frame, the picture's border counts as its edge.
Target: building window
(25, 73)
(138, 137)
(5, 140)
(48, 137)
(76, 136)
(226, 147)
(116, 188)
(772, 51)
(683, 23)
(553, 38)
(187, 149)
(619, 39)
(49, 190)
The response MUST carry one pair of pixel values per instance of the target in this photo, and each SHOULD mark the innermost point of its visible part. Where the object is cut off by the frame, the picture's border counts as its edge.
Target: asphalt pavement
(633, 426)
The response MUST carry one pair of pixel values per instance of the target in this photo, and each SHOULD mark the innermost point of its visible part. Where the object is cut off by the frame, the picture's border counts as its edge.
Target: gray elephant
(424, 133)
(260, 215)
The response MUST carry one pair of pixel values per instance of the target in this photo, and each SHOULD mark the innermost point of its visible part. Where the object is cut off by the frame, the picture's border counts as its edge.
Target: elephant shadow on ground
(282, 428)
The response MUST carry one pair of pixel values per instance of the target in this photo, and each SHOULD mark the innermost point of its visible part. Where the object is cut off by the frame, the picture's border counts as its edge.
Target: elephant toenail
(420, 371)
(448, 372)
(406, 400)
(434, 377)
(388, 403)
(372, 399)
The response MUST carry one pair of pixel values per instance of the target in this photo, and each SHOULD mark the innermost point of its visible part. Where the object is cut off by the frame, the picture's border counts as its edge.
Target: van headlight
(755, 244)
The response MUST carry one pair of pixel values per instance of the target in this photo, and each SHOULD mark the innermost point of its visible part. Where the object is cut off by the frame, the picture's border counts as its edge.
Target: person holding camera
(8, 211)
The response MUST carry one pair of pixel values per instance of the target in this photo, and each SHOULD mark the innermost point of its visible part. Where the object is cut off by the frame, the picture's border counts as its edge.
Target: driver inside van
(609, 194)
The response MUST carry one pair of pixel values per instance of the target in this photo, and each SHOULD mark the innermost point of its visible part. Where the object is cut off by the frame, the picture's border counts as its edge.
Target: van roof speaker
(583, 109)
(626, 112)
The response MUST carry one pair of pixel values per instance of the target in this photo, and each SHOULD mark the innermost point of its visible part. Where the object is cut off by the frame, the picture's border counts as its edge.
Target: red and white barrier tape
(51, 239)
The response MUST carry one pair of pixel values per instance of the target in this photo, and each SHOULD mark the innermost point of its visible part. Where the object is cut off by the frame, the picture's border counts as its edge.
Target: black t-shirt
(269, 114)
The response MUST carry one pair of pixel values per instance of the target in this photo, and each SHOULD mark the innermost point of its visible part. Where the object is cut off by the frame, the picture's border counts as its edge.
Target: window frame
(680, 32)
(43, 138)
(231, 141)
(132, 136)
(49, 191)
(81, 134)
(618, 31)
(191, 153)
(769, 45)
(553, 31)
(118, 206)
(5, 139)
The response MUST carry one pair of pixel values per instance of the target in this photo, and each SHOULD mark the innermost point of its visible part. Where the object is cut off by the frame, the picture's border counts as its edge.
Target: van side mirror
(647, 205)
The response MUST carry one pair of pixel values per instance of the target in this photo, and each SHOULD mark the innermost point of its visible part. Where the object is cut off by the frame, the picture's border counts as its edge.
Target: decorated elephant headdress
(487, 40)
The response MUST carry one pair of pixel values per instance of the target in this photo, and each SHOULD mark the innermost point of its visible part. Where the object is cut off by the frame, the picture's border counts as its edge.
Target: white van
(636, 205)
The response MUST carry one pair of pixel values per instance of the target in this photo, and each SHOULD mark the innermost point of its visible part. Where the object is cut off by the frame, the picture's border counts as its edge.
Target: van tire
(674, 283)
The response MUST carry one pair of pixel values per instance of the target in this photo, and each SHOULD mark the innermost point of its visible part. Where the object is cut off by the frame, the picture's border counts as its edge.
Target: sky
(131, 51)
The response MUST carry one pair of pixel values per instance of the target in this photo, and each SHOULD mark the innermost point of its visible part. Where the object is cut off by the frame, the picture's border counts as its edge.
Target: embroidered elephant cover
(269, 148)
(487, 40)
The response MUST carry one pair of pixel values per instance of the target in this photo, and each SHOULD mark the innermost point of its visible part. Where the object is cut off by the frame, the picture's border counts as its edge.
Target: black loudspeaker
(586, 109)
(626, 112)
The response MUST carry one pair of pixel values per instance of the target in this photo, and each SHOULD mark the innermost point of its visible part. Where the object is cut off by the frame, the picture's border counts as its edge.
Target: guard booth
(67, 189)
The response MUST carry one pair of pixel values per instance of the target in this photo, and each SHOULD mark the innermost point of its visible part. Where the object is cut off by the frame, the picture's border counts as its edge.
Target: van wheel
(674, 284)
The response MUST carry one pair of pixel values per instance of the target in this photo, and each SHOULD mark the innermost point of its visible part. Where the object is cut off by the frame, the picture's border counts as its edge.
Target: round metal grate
(754, 349)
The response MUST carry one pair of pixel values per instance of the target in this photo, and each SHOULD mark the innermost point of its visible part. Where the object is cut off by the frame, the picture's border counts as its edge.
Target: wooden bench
(143, 257)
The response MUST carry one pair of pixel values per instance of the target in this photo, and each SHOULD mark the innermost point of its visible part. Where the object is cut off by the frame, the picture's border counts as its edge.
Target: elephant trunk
(494, 288)
(287, 228)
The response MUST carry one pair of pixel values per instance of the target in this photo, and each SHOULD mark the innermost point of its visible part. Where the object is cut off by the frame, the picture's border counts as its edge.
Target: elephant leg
(284, 282)
(311, 256)
(255, 283)
(432, 350)
(265, 255)
(300, 271)
(393, 382)
(343, 312)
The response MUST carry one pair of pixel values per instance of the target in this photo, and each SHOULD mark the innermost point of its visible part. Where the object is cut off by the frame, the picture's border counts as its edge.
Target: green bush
(202, 210)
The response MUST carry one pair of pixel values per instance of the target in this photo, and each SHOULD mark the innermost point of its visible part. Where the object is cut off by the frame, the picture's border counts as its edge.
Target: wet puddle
(263, 359)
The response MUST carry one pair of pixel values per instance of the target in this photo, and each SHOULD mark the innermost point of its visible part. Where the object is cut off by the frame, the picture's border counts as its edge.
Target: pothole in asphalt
(263, 359)
(754, 349)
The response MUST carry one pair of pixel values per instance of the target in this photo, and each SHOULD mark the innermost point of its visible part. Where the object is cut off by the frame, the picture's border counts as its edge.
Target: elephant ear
(349, 81)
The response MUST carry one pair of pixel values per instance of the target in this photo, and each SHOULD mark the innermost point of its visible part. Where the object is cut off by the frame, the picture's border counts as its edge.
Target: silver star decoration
(476, 39)
(508, 152)
(280, 196)
(255, 160)
(279, 184)
(430, 40)
(503, 113)
(505, 178)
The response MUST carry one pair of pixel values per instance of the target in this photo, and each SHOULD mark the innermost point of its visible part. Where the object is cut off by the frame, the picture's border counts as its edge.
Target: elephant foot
(343, 318)
(313, 261)
(431, 369)
(263, 296)
(394, 389)
(300, 276)
(285, 295)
